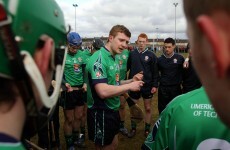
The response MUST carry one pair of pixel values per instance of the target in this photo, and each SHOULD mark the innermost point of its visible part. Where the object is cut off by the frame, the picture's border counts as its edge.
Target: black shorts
(145, 93)
(85, 97)
(103, 125)
(72, 99)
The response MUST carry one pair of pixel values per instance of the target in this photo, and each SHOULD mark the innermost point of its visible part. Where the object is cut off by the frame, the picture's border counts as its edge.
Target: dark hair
(170, 40)
(97, 43)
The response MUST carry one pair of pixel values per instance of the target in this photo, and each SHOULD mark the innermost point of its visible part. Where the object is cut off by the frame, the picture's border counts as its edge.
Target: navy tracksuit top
(145, 61)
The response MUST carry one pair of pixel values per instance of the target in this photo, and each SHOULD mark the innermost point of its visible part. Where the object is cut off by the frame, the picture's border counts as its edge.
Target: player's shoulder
(198, 95)
(177, 55)
(86, 52)
(161, 57)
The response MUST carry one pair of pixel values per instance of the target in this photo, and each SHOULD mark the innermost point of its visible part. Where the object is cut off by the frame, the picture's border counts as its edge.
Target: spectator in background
(143, 60)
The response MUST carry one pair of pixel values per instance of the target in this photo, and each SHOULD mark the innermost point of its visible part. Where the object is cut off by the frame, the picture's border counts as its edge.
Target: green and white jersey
(73, 72)
(86, 56)
(123, 58)
(102, 68)
(189, 122)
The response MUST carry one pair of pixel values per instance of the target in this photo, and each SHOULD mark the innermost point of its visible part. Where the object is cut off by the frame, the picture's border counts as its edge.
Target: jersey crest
(146, 58)
(97, 67)
(175, 61)
(124, 57)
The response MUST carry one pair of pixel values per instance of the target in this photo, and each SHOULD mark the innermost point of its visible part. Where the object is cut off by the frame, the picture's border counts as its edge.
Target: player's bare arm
(106, 91)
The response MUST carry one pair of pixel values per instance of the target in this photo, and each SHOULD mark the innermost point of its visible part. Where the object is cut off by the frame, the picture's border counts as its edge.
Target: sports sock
(75, 135)
(83, 130)
(133, 125)
(122, 124)
(69, 140)
(147, 126)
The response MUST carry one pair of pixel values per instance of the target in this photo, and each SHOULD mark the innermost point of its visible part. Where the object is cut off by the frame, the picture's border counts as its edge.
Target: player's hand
(138, 76)
(84, 87)
(69, 88)
(153, 90)
(186, 63)
(136, 85)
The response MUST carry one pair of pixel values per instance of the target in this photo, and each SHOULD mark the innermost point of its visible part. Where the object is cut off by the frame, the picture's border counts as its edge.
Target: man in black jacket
(170, 66)
(141, 59)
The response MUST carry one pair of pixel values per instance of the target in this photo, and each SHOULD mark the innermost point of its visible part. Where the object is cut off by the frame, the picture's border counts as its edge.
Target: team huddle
(43, 65)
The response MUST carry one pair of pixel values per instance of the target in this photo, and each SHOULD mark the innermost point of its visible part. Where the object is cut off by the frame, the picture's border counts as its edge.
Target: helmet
(74, 39)
(29, 23)
(97, 43)
(23, 25)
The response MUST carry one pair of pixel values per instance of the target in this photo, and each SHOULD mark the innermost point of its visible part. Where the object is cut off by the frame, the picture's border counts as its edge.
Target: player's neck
(12, 120)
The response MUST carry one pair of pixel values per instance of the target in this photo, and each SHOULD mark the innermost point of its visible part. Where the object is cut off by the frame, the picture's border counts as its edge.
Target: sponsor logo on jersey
(120, 63)
(80, 59)
(98, 74)
(76, 67)
(117, 79)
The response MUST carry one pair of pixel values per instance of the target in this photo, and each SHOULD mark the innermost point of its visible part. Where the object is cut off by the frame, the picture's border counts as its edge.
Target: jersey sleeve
(158, 137)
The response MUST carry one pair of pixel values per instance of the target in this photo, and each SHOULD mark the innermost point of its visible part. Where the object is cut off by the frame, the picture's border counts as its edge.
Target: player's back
(194, 124)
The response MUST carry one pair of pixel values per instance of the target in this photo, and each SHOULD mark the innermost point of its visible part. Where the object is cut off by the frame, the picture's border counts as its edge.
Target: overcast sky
(94, 18)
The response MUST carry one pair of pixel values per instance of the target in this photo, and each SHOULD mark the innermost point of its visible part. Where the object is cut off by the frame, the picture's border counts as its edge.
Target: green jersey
(189, 122)
(73, 72)
(102, 68)
(86, 56)
(123, 58)
(11, 146)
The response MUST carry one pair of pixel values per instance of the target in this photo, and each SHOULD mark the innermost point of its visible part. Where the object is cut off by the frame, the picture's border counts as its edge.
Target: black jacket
(145, 61)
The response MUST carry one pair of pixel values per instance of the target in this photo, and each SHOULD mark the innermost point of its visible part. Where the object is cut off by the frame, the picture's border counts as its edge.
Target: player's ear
(110, 38)
(43, 55)
(217, 37)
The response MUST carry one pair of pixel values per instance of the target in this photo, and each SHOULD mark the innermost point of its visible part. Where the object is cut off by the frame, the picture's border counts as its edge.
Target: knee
(69, 119)
(78, 116)
(122, 106)
(148, 109)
